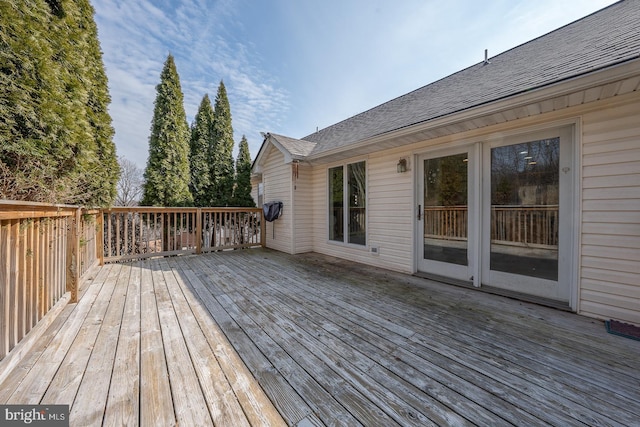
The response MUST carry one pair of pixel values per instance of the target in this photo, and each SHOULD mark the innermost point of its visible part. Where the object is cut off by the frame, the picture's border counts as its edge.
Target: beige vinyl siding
(276, 177)
(320, 203)
(254, 189)
(390, 212)
(303, 210)
(389, 221)
(610, 240)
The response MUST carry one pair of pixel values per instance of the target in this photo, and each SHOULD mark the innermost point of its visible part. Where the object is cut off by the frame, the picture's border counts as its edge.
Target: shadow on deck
(257, 337)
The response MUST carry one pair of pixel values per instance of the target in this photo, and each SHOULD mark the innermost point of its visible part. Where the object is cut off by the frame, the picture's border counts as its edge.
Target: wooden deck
(257, 337)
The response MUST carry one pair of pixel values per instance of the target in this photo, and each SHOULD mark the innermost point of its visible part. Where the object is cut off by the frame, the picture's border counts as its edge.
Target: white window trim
(345, 217)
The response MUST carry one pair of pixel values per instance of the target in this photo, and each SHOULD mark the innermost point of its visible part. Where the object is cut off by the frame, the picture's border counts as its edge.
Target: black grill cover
(272, 210)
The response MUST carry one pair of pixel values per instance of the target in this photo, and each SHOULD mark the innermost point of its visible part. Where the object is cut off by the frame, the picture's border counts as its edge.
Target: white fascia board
(264, 149)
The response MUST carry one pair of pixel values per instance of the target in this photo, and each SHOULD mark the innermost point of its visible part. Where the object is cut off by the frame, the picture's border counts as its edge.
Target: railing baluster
(143, 232)
(38, 273)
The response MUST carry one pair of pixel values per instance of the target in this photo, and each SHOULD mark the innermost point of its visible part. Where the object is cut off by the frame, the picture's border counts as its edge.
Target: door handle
(419, 212)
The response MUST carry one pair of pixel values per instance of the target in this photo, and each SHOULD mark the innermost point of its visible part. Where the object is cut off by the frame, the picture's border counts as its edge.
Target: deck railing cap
(35, 205)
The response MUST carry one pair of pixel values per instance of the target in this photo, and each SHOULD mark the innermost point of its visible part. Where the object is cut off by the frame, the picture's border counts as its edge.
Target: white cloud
(136, 37)
(290, 66)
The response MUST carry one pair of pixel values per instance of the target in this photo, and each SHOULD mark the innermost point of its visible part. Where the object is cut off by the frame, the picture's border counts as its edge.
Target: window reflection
(355, 201)
(524, 208)
(445, 209)
(336, 188)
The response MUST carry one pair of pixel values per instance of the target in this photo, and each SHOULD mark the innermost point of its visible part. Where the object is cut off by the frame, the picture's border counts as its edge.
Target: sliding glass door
(499, 213)
(527, 207)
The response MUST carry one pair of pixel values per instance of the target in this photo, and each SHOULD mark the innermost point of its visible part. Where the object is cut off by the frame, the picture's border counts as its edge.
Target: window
(347, 203)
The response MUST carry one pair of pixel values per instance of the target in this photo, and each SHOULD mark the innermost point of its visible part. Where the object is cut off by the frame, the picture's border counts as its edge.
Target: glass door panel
(445, 209)
(527, 236)
(525, 207)
(444, 215)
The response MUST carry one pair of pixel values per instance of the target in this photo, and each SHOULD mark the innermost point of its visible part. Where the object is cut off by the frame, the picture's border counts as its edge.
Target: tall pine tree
(242, 188)
(55, 132)
(167, 172)
(27, 126)
(221, 152)
(200, 147)
(103, 170)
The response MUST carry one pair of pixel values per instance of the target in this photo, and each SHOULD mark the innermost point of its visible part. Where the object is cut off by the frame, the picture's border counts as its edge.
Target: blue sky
(290, 66)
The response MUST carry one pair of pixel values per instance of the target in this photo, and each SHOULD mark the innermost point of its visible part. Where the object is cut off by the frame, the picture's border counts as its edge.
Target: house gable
(292, 150)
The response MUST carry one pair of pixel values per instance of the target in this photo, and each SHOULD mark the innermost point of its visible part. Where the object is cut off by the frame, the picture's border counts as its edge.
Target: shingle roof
(603, 39)
(296, 147)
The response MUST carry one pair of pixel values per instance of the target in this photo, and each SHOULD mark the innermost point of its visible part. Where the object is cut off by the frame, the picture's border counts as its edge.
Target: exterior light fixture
(402, 165)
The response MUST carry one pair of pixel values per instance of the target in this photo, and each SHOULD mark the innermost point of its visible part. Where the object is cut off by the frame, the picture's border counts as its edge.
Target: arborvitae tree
(28, 89)
(167, 172)
(199, 158)
(55, 132)
(221, 152)
(242, 188)
(102, 171)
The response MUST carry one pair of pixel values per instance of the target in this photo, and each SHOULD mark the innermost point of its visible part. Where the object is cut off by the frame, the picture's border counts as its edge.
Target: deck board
(123, 402)
(189, 402)
(217, 392)
(445, 353)
(368, 358)
(156, 401)
(93, 392)
(508, 388)
(261, 338)
(241, 395)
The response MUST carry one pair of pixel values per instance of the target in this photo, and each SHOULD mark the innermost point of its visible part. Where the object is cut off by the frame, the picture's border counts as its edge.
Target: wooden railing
(44, 251)
(534, 226)
(90, 240)
(143, 232)
(445, 222)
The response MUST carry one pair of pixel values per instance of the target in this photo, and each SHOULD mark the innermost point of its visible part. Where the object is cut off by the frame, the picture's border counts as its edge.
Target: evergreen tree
(167, 172)
(200, 148)
(27, 90)
(55, 132)
(221, 151)
(102, 173)
(242, 188)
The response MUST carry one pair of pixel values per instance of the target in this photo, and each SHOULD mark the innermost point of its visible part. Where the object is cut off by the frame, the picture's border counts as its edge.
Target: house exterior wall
(303, 208)
(276, 177)
(607, 258)
(389, 220)
(610, 239)
(255, 182)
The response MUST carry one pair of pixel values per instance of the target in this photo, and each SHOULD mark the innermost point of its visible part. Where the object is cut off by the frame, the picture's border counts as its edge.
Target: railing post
(100, 236)
(263, 230)
(73, 256)
(199, 230)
